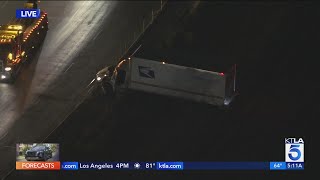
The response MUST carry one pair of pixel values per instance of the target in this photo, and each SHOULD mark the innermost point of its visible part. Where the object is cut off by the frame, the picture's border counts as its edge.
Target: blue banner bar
(27, 13)
(169, 165)
(69, 166)
(182, 166)
(226, 165)
(143, 165)
(277, 165)
(104, 165)
(295, 166)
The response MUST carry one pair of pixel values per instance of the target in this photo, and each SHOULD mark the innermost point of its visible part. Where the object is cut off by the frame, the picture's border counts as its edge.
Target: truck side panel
(172, 80)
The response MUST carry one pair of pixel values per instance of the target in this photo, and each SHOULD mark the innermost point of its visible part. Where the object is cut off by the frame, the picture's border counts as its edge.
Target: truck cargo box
(179, 81)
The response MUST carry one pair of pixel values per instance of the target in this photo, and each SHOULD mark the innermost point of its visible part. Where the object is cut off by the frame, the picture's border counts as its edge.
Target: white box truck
(169, 80)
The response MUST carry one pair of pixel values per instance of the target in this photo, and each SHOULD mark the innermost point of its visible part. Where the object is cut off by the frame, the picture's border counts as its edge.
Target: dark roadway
(83, 37)
(273, 46)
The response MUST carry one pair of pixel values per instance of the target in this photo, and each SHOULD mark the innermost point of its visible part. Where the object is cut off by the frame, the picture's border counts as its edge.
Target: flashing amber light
(15, 27)
(10, 56)
(5, 40)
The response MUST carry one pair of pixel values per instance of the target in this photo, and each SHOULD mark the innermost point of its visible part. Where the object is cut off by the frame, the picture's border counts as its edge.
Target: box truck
(161, 78)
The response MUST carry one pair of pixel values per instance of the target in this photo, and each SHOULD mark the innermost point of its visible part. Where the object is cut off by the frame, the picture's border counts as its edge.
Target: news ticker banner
(175, 166)
(45, 156)
(181, 166)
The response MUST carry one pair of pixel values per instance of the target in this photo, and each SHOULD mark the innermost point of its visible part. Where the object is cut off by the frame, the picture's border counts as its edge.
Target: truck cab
(19, 41)
(5, 56)
(10, 50)
(120, 75)
(111, 78)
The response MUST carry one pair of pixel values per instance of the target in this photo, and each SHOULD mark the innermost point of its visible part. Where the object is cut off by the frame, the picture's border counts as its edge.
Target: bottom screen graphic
(45, 156)
(37, 156)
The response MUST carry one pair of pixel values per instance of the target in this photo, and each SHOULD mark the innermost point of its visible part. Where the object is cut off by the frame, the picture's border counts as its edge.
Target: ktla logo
(294, 150)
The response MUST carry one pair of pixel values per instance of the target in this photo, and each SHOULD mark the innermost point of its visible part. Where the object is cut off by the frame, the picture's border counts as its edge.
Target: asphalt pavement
(83, 37)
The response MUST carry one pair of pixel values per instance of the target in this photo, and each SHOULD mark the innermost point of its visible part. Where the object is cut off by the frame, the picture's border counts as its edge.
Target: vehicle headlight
(7, 69)
(99, 78)
(3, 76)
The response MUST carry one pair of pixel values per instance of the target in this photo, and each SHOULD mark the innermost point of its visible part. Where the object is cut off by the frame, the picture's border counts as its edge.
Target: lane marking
(36, 101)
(69, 67)
(4, 4)
(97, 34)
(91, 82)
(4, 135)
(13, 147)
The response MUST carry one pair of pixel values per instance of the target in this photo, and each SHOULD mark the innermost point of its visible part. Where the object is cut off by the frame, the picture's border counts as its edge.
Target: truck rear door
(230, 89)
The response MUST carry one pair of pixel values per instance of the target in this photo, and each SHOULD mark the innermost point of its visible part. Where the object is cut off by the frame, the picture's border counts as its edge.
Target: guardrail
(124, 48)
